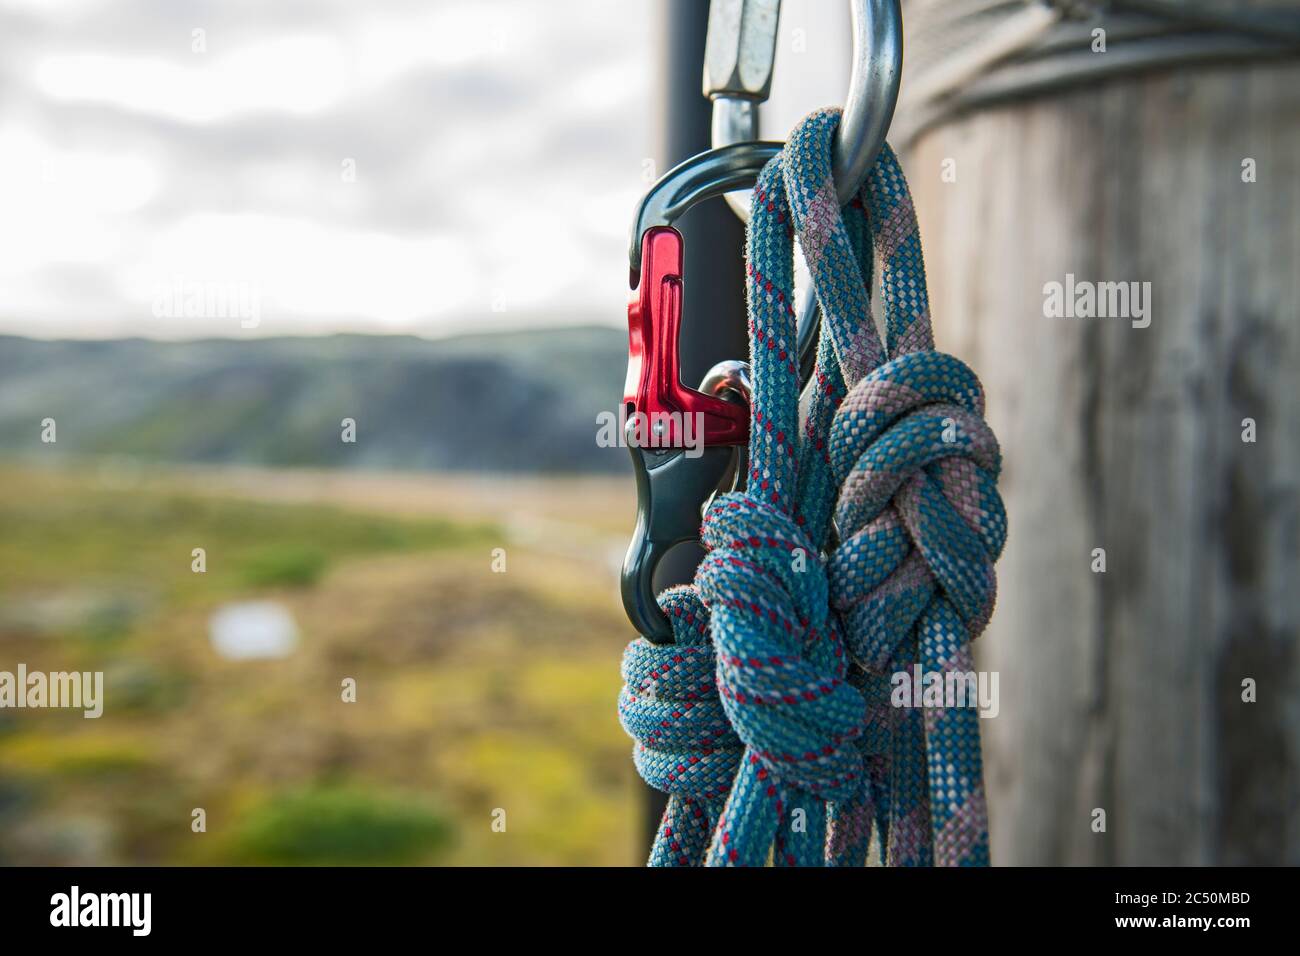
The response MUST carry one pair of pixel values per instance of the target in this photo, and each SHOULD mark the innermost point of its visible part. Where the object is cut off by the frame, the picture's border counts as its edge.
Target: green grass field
(480, 696)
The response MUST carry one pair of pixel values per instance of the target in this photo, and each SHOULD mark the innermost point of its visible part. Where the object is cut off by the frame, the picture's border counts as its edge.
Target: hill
(518, 401)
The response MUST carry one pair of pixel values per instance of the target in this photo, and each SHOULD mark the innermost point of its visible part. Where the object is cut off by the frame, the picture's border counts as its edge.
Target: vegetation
(478, 695)
(340, 826)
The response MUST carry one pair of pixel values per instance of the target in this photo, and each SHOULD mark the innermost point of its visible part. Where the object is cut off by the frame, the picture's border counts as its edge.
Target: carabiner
(701, 177)
(738, 56)
(685, 443)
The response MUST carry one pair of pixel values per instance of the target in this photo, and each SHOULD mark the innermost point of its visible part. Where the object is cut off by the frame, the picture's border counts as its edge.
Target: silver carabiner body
(738, 58)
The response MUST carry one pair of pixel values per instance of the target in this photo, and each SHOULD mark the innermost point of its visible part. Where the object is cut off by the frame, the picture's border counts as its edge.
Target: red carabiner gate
(654, 386)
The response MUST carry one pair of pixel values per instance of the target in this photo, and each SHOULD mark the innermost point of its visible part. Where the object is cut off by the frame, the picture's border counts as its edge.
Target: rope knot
(919, 509)
(780, 654)
(669, 705)
(918, 521)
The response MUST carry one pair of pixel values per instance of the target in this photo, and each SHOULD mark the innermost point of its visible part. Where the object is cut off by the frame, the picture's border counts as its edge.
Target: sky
(181, 168)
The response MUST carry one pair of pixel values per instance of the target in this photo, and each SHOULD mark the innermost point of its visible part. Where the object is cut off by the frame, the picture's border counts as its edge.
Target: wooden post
(1123, 691)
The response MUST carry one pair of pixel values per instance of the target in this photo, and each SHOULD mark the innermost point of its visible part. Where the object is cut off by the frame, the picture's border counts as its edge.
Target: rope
(862, 547)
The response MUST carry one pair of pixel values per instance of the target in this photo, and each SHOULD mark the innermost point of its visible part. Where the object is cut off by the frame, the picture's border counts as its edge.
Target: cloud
(394, 164)
(254, 78)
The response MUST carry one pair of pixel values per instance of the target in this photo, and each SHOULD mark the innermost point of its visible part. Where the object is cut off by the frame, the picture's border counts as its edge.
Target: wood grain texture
(1122, 690)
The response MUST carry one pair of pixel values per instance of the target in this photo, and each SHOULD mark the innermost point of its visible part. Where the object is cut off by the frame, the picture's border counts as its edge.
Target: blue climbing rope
(861, 548)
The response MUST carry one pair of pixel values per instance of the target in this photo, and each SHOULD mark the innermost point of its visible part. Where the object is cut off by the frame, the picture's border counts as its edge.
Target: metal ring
(868, 108)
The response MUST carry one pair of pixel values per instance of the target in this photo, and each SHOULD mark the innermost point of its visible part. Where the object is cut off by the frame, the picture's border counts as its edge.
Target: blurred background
(216, 246)
(229, 229)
